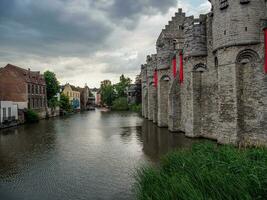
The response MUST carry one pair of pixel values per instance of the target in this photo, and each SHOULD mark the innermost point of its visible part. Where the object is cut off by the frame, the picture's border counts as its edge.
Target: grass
(206, 172)
(135, 108)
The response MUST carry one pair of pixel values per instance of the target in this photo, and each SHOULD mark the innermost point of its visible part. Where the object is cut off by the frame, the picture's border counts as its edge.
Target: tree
(65, 103)
(52, 85)
(107, 92)
(122, 86)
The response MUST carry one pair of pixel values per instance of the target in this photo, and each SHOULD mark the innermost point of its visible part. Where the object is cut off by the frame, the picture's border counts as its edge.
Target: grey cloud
(128, 12)
(45, 26)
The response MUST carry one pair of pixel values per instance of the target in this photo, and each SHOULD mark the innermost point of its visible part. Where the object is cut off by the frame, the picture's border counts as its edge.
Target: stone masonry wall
(224, 92)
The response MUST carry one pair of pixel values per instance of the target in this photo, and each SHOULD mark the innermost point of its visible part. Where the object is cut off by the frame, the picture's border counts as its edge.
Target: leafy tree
(65, 103)
(107, 92)
(52, 84)
(122, 85)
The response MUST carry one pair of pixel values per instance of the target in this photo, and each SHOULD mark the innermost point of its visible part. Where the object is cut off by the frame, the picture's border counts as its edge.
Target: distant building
(23, 87)
(94, 91)
(74, 96)
(8, 113)
(98, 98)
(85, 95)
(134, 95)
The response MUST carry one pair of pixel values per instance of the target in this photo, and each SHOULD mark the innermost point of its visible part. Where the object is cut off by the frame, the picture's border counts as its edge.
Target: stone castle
(209, 75)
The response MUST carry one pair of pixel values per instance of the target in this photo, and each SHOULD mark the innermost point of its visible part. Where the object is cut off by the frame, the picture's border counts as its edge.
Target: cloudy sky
(85, 41)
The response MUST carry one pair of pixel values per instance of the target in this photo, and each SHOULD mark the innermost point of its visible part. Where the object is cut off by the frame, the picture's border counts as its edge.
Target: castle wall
(151, 67)
(238, 24)
(224, 92)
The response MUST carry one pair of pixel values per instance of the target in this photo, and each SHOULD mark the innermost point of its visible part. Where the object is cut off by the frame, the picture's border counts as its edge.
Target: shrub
(135, 108)
(206, 171)
(120, 104)
(31, 116)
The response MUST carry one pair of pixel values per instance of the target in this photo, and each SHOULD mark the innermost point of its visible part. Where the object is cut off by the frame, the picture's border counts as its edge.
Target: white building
(8, 111)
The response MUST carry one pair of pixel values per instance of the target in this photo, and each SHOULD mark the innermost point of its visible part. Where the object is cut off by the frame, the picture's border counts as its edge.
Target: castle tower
(144, 91)
(238, 44)
(169, 40)
(152, 90)
(195, 61)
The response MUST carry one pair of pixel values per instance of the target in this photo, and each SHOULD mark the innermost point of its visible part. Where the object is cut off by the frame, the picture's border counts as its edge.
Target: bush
(135, 108)
(206, 171)
(31, 116)
(120, 104)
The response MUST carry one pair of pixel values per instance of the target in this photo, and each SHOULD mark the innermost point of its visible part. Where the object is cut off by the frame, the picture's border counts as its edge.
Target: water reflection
(91, 155)
(25, 140)
(159, 141)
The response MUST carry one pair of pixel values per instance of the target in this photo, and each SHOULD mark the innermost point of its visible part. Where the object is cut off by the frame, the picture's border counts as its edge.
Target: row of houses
(23, 89)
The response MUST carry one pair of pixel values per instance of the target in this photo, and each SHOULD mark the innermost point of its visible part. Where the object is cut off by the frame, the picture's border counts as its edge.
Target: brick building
(24, 87)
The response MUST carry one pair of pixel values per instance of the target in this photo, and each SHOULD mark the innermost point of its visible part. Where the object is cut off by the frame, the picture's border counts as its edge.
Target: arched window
(223, 4)
(165, 78)
(200, 67)
(247, 56)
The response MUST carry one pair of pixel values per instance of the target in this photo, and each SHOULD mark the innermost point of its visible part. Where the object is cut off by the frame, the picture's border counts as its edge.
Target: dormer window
(223, 4)
(244, 1)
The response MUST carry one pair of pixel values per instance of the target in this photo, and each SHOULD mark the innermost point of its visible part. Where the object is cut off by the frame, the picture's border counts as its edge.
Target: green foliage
(122, 85)
(65, 103)
(111, 94)
(107, 93)
(120, 104)
(135, 108)
(207, 171)
(52, 84)
(31, 116)
(53, 102)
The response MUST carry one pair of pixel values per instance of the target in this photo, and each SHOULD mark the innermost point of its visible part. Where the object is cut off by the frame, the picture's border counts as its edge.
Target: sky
(85, 41)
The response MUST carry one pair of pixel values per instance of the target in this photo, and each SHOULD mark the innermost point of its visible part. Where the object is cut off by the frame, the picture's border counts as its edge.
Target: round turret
(237, 22)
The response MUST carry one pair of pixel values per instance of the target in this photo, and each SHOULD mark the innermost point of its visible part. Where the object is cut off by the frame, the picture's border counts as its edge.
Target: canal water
(90, 156)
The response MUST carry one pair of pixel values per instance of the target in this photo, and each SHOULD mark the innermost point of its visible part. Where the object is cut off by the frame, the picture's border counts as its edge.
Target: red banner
(181, 68)
(265, 42)
(155, 78)
(174, 70)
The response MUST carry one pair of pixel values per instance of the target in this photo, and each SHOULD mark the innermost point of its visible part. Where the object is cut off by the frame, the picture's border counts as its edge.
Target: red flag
(181, 68)
(155, 78)
(174, 67)
(265, 42)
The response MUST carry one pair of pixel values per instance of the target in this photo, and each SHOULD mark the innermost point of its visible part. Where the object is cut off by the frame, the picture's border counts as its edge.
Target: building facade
(84, 97)
(73, 94)
(25, 88)
(209, 76)
(8, 112)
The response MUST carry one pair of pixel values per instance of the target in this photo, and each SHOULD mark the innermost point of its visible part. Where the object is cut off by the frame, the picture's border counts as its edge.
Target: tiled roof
(27, 75)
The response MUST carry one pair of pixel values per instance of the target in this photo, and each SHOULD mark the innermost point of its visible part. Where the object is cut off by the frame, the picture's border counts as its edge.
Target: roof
(28, 75)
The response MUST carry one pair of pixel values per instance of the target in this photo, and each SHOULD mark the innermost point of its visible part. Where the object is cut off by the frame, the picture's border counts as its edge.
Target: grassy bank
(206, 171)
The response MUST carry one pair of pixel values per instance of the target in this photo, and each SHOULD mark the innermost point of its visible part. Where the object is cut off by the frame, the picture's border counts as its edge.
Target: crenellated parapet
(170, 39)
(195, 43)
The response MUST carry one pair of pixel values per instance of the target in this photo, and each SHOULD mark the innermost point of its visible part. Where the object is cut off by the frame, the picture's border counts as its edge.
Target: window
(244, 1)
(223, 4)
(4, 113)
(29, 103)
(32, 89)
(9, 112)
(36, 89)
(29, 88)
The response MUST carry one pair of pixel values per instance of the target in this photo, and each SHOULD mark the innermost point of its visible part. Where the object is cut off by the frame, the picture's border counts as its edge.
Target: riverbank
(206, 171)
